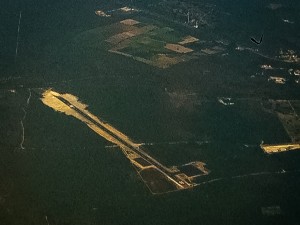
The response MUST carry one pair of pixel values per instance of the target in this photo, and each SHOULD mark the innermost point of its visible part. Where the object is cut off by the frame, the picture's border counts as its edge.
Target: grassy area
(145, 47)
(166, 34)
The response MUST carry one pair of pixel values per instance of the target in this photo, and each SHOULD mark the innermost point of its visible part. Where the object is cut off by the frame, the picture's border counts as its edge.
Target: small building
(277, 80)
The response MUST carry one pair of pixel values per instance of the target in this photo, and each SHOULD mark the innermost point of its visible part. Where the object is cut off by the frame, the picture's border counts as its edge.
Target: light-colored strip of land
(289, 119)
(178, 48)
(146, 165)
(276, 148)
(129, 22)
(50, 99)
(187, 40)
(213, 50)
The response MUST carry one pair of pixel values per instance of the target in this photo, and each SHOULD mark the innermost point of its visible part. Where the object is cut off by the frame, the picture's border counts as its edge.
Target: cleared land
(279, 148)
(158, 178)
(150, 44)
(178, 48)
(286, 112)
(188, 39)
(129, 22)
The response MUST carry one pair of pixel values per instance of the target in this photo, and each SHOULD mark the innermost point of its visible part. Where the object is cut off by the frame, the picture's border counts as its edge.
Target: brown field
(178, 48)
(187, 40)
(116, 39)
(129, 22)
(164, 61)
(120, 37)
